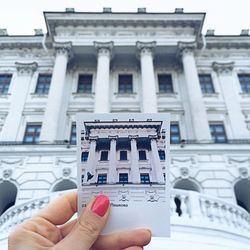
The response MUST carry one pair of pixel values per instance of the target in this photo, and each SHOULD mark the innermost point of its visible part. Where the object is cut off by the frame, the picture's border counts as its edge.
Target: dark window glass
(164, 176)
(125, 84)
(43, 84)
(123, 155)
(84, 84)
(175, 137)
(73, 134)
(218, 133)
(145, 178)
(206, 84)
(85, 156)
(5, 83)
(165, 83)
(161, 155)
(102, 179)
(123, 178)
(245, 82)
(142, 155)
(32, 133)
(104, 156)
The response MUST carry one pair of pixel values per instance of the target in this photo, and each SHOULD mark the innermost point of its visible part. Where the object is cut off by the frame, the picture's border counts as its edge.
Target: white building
(131, 62)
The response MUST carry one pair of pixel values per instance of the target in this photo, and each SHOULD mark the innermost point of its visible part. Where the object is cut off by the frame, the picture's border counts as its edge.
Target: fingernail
(100, 205)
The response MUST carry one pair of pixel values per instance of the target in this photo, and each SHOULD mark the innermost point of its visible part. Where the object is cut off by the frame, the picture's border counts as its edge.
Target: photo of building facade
(130, 63)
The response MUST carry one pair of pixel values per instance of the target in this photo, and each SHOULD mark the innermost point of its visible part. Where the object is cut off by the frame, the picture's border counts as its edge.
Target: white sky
(21, 17)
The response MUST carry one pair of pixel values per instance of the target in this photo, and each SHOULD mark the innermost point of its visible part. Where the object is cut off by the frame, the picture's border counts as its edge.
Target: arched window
(8, 192)
(241, 189)
(64, 185)
(187, 185)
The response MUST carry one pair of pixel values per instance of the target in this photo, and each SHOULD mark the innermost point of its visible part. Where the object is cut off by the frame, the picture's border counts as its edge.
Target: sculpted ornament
(145, 48)
(184, 171)
(186, 48)
(243, 172)
(66, 172)
(63, 49)
(223, 67)
(152, 196)
(123, 195)
(7, 173)
(26, 68)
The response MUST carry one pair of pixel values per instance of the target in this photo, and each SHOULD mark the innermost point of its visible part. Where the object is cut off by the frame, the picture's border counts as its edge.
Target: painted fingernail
(100, 205)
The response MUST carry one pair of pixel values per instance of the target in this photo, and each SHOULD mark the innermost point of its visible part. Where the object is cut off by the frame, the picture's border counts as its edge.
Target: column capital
(153, 137)
(145, 48)
(93, 138)
(104, 48)
(186, 48)
(223, 67)
(26, 68)
(113, 137)
(133, 137)
(63, 48)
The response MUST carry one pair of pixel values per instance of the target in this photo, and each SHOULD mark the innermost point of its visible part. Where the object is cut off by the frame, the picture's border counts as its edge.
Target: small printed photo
(125, 156)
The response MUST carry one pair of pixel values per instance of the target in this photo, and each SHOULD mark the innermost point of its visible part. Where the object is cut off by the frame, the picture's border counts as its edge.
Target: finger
(89, 225)
(134, 248)
(60, 210)
(123, 240)
(66, 228)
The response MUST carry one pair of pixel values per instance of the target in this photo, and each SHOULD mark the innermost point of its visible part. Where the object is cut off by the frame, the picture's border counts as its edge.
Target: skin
(51, 229)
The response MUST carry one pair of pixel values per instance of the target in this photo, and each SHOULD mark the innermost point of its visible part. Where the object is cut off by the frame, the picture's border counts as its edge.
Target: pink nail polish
(100, 205)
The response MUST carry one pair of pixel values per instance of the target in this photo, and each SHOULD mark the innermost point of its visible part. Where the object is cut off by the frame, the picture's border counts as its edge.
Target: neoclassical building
(130, 62)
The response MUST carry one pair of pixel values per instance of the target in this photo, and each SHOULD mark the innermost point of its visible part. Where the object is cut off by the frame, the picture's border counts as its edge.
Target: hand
(50, 229)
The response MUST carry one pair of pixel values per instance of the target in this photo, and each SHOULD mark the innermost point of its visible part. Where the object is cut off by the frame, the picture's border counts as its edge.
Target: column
(149, 100)
(91, 163)
(112, 173)
(156, 161)
(102, 100)
(196, 103)
(135, 172)
(52, 116)
(20, 91)
(230, 95)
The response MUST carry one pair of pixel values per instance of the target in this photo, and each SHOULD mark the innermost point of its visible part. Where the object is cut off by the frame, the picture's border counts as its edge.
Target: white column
(20, 90)
(231, 97)
(196, 103)
(112, 161)
(102, 100)
(52, 116)
(149, 100)
(135, 172)
(91, 162)
(156, 161)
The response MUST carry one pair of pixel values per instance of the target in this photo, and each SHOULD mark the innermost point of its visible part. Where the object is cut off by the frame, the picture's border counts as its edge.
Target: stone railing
(188, 208)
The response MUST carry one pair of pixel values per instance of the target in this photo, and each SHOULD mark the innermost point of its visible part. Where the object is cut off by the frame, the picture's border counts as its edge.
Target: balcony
(192, 213)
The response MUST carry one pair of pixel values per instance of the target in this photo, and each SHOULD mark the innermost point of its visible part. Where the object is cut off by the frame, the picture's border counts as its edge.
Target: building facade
(130, 62)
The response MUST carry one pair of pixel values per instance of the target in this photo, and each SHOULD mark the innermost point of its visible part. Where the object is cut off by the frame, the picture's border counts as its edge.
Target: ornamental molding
(243, 171)
(12, 162)
(26, 68)
(104, 48)
(7, 173)
(145, 48)
(64, 161)
(223, 67)
(186, 48)
(63, 48)
(66, 172)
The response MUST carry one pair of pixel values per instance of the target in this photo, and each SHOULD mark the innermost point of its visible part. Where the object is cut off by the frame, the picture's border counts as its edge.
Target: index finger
(60, 210)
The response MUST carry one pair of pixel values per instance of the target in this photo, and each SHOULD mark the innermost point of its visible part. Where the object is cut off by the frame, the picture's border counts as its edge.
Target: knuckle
(89, 228)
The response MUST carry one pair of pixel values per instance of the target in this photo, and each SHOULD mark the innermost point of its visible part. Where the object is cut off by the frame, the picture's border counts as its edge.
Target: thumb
(89, 225)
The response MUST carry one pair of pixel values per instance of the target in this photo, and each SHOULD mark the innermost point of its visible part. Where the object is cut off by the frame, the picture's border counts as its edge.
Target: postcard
(126, 157)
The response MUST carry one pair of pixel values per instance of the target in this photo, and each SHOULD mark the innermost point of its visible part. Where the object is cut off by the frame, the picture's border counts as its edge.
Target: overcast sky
(21, 17)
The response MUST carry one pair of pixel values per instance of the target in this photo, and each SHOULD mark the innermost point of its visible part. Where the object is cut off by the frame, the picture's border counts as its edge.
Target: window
(123, 178)
(245, 82)
(175, 137)
(85, 156)
(32, 133)
(5, 83)
(145, 178)
(165, 83)
(123, 156)
(125, 85)
(218, 133)
(84, 84)
(142, 155)
(162, 155)
(206, 84)
(102, 179)
(43, 84)
(104, 156)
(73, 134)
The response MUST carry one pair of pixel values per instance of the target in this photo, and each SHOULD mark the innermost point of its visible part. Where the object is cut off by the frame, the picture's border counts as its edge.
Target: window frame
(45, 85)
(87, 87)
(244, 89)
(35, 135)
(140, 154)
(205, 85)
(127, 87)
(72, 134)
(175, 134)
(120, 154)
(102, 182)
(168, 87)
(84, 156)
(5, 82)
(216, 134)
(106, 152)
(144, 180)
(126, 178)
(160, 153)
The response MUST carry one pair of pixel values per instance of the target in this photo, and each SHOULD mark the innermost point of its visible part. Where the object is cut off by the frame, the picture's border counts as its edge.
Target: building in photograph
(130, 62)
